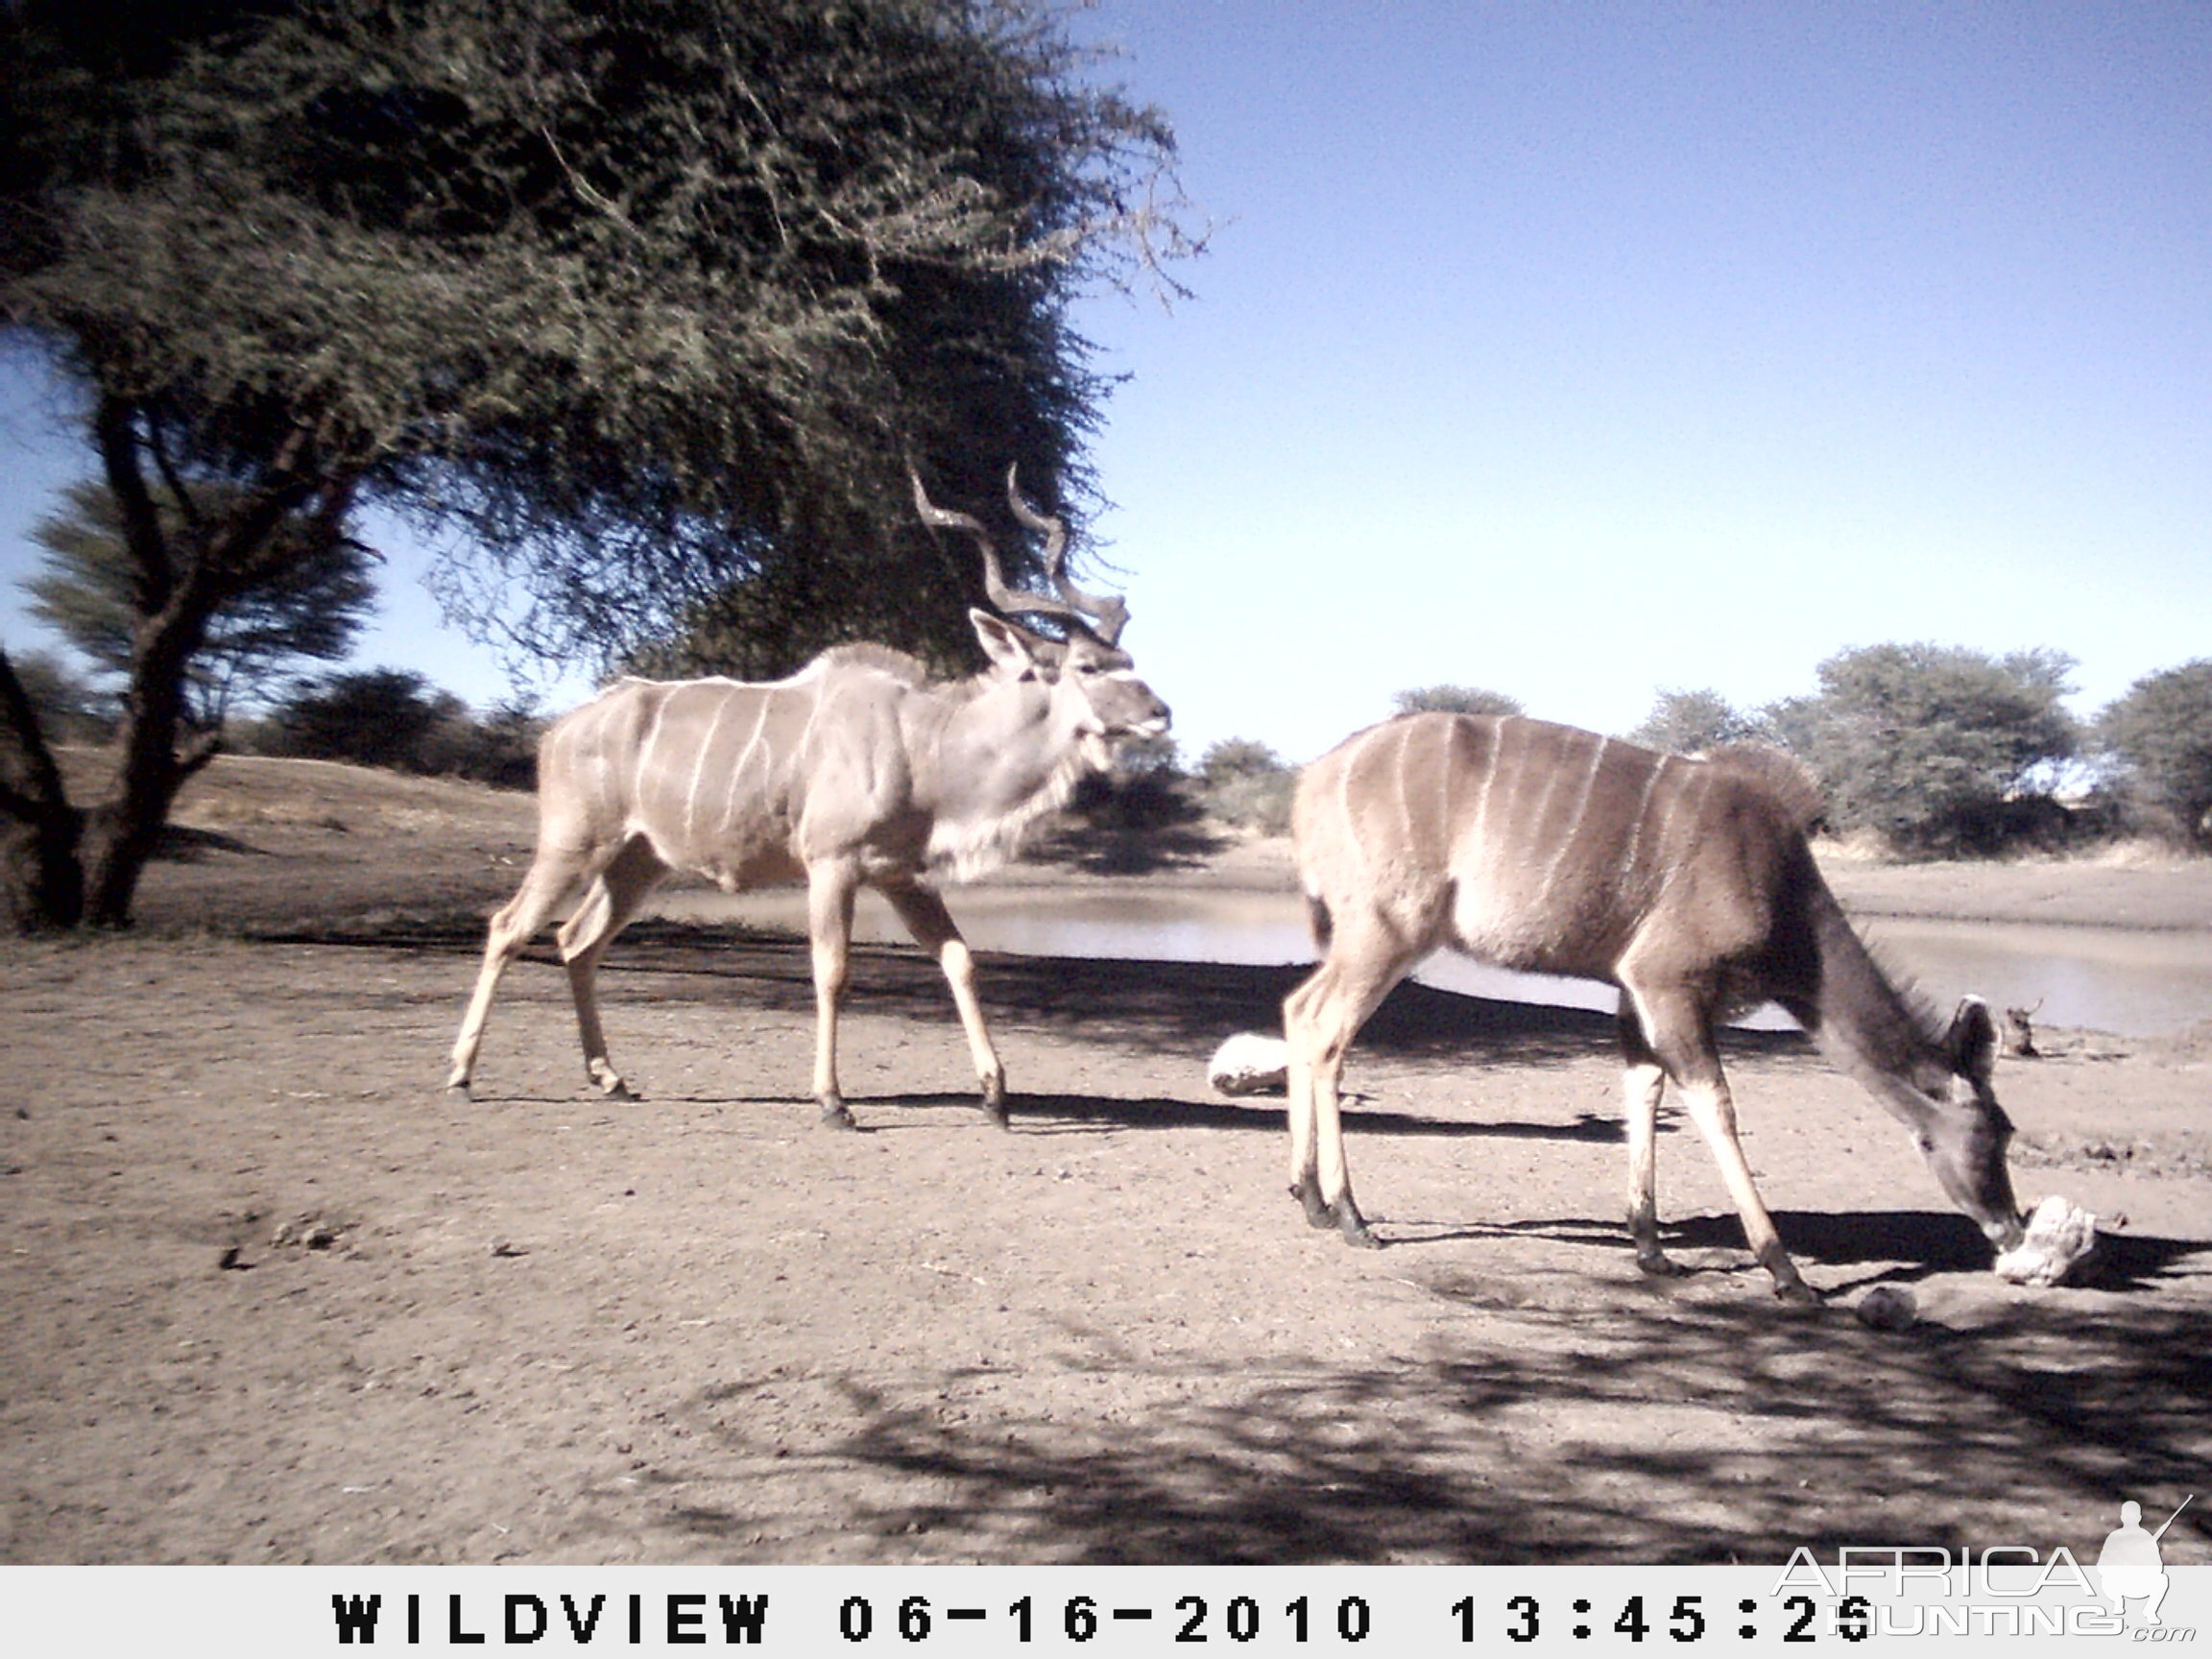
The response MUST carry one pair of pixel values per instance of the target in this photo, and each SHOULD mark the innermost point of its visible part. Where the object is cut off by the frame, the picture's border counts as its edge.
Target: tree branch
(20, 721)
(114, 429)
(195, 754)
(187, 508)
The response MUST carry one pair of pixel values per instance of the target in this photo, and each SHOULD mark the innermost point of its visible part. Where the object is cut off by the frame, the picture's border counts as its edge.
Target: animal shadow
(1931, 1242)
(1079, 1114)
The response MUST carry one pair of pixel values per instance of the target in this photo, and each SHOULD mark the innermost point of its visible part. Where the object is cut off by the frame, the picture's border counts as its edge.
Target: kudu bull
(856, 771)
(1685, 883)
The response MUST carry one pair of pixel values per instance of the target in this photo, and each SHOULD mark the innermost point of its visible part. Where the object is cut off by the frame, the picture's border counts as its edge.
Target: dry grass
(241, 791)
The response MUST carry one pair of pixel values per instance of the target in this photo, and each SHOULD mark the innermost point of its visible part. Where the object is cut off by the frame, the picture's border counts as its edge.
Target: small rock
(1887, 1308)
(312, 1232)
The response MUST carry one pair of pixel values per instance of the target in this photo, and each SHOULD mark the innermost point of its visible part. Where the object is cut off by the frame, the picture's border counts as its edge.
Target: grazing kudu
(1686, 882)
(856, 771)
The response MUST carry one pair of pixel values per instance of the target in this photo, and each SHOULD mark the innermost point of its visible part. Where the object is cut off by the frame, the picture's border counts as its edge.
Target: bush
(1145, 792)
(69, 711)
(1927, 745)
(1454, 700)
(1694, 723)
(1245, 783)
(395, 718)
(2161, 733)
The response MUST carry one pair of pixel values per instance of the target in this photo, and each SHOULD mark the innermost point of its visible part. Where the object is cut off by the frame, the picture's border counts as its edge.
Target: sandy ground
(269, 1294)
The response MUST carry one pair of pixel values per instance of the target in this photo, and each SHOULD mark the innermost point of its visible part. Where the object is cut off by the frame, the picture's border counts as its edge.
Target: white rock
(1249, 1064)
(2061, 1241)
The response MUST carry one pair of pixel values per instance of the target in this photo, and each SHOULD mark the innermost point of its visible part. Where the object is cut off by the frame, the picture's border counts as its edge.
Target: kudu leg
(608, 904)
(1680, 1035)
(830, 893)
(1319, 1021)
(926, 917)
(552, 878)
(1643, 1081)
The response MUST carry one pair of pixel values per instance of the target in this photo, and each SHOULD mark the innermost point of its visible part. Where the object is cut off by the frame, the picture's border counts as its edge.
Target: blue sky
(1577, 350)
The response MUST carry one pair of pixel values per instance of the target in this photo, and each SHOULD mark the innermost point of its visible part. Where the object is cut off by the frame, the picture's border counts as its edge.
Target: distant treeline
(1934, 751)
(389, 717)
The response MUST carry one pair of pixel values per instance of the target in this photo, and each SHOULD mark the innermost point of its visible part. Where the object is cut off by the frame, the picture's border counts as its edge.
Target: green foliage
(1934, 747)
(652, 303)
(2162, 732)
(1153, 757)
(1243, 783)
(1694, 723)
(312, 604)
(68, 709)
(395, 718)
(499, 748)
(1144, 794)
(641, 311)
(1233, 757)
(370, 717)
(1454, 700)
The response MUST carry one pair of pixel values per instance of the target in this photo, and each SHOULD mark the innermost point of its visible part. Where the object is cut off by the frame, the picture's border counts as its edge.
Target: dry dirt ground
(269, 1294)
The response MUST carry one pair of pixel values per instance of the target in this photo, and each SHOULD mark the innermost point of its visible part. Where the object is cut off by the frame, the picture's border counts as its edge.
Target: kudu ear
(1012, 649)
(1972, 1040)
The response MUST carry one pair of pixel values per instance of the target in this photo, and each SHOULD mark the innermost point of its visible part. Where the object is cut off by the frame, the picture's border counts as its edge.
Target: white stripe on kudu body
(858, 770)
(1686, 882)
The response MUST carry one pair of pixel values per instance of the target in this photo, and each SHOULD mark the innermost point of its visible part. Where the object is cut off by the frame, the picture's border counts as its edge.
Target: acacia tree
(69, 709)
(1693, 722)
(1928, 744)
(1243, 782)
(312, 605)
(2162, 732)
(637, 309)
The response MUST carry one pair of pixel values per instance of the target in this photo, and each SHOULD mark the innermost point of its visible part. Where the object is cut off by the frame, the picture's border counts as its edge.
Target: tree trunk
(123, 832)
(41, 882)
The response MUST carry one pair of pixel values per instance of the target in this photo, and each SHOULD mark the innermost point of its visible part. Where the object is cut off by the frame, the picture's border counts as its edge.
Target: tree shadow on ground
(180, 844)
(1063, 1113)
(1190, 1005)
(1903, 1246)
(1908, 1244)
(1651, 1428)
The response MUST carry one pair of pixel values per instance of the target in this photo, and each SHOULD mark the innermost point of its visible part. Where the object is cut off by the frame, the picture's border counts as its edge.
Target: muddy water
(2122, 980)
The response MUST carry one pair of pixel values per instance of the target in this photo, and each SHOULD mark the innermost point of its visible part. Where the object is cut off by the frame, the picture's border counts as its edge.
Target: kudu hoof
(1796, 1293)
(1660, 1267)
(994, 1102)
(609, 1081)
(1317, 1214)
(835, 1115)
(1353, 1227)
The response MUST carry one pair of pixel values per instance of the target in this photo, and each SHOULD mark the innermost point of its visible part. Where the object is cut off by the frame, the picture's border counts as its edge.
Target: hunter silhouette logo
(2130, 1566)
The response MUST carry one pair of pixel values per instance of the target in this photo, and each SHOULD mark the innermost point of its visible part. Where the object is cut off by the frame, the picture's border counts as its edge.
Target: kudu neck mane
(909, 671)
(986, 802)
(1874, 1027)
